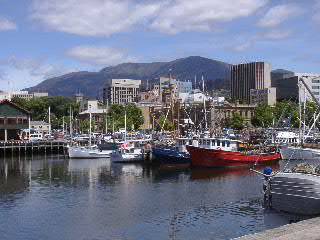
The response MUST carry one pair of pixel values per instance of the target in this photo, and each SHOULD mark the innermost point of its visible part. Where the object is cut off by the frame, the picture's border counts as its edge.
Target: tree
(134, 116)
(263, 116)
(286, 113)
(38, 107)
(237, 122)
(166, 124)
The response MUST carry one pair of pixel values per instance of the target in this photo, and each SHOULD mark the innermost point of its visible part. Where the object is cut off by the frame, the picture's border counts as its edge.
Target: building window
(315, 81)
(315, 93)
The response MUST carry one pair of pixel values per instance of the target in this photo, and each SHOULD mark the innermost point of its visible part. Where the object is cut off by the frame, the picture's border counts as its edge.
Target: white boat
(130, 151)
(297, 193)
(88, 152)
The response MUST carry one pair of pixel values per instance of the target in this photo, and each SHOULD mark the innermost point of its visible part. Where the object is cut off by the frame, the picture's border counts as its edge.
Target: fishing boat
(215, 152)
(171, 156)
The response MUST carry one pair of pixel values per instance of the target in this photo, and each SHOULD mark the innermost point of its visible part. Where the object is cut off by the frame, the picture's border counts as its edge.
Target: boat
(216, 152)
(88, 152)
(128, 153)
(296, 193)
(171, 156)
(91, 151)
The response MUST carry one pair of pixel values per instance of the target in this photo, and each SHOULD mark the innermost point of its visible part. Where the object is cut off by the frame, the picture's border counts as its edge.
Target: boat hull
(170, 157)
(201, 157)
(81, 152)
(117, 157)
(296, 193)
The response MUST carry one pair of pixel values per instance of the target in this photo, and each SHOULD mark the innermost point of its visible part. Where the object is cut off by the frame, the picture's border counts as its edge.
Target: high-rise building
(121, 91)
(247, 76)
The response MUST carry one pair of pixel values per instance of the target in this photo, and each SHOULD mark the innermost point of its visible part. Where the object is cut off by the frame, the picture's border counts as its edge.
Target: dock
(29, 147)
(307, 229)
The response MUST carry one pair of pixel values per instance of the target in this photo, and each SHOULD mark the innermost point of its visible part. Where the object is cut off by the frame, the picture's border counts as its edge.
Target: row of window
(217, 143)
(315, 81)
(13, 121)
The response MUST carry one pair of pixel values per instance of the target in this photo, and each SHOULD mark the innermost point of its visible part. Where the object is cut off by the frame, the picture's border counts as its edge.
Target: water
(57, 198)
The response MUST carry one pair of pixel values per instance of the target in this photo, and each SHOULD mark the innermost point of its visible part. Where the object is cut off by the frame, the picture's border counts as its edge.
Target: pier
(307, 229)
(29, 147)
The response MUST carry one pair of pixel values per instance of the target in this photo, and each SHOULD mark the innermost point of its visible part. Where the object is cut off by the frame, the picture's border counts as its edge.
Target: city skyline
(42, 39)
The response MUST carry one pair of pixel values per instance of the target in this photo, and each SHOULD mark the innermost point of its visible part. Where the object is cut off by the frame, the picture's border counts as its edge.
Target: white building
(40, 126)
(313, 82)
(121, 91)
(194, 96)
(22, 94)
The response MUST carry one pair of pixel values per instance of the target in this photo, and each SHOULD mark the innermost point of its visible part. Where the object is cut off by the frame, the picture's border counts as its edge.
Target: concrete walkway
(306, 230)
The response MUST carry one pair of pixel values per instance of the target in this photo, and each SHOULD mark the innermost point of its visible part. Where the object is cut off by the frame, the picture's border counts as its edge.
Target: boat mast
(90, 124)
(49, 116)
(304, 115)
(204, 106)
(125, 125)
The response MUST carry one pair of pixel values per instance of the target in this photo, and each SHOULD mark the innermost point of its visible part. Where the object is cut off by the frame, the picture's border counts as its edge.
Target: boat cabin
(217, 143)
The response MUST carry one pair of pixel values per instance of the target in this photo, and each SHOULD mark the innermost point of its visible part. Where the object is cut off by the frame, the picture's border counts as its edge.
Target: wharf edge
(307, 229)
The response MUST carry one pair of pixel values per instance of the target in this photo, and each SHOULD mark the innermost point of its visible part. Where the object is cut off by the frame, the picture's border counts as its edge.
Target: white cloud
(202, 15)
(6, 25)
(271, 35)
(22, 73)
(99, 55)
(278, 14)
(92, 18)
(107, 17)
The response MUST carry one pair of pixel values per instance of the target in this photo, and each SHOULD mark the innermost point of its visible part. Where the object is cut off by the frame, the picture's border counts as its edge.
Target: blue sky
(45, 38)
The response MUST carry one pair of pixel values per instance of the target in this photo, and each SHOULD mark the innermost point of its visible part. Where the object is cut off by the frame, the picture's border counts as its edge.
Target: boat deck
(308, 229)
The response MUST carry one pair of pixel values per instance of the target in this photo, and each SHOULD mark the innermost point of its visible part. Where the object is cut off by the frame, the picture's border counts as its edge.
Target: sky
(40, 39)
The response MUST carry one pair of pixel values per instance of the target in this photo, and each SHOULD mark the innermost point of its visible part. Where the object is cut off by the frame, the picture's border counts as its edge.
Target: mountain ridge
(216, 74)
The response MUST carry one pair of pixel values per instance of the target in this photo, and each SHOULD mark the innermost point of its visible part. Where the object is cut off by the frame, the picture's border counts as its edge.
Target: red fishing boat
(213, 152)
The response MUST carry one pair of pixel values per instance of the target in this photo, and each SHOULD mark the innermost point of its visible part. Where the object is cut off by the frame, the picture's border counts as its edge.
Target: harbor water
(51, 197)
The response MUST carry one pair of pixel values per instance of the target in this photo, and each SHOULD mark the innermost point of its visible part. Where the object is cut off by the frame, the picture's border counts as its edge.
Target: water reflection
(96, 199)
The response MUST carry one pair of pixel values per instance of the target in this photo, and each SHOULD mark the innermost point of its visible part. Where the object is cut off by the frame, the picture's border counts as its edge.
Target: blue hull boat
(169, 156)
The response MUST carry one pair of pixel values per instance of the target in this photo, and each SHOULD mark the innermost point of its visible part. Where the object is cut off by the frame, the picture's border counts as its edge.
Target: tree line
(60, 111)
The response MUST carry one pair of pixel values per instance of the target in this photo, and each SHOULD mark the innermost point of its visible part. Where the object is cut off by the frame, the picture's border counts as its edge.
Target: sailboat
(129, 151)
(91, 151)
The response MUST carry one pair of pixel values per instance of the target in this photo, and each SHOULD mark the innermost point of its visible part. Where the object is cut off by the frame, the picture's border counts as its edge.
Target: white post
(49, 113)
(63, 125)
(6, 135)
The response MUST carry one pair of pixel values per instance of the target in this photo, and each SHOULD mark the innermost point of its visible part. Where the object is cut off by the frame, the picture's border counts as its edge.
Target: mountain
(216, 76)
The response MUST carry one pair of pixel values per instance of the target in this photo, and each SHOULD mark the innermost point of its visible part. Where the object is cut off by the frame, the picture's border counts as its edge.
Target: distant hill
(216, 76)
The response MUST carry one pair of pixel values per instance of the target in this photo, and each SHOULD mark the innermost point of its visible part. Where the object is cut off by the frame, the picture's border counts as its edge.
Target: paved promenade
(306, 230)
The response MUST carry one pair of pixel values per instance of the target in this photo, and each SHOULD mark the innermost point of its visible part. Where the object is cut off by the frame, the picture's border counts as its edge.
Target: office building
(288, 88)
(121, 91)
(266, 96)
(247, 76)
